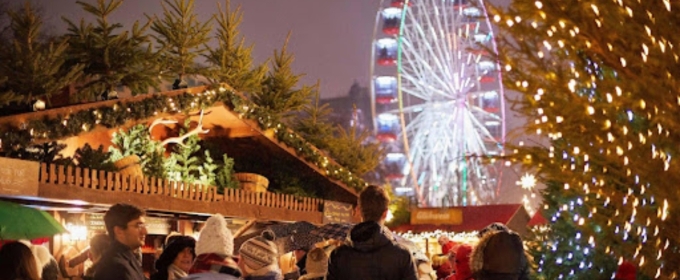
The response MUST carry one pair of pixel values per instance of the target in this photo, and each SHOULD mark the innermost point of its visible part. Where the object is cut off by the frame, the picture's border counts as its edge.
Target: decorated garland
(123, 112)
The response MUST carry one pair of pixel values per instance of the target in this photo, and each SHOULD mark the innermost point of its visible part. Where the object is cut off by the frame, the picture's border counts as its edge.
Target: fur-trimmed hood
(499, 255)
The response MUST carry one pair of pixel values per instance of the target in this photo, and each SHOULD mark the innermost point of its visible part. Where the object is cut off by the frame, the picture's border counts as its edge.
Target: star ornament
(528, 181)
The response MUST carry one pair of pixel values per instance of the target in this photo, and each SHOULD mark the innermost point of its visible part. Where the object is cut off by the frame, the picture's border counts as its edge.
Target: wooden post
(86, 178)
(101, 180)
(93, 176)
(69, 175)
(53, 174)
(109, 181)
(117, 182)
(43, 173)
(79, 177)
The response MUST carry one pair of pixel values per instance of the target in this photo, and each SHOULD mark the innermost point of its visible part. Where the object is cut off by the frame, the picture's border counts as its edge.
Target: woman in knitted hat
(215, 249)
(259, 258)
(176, 259)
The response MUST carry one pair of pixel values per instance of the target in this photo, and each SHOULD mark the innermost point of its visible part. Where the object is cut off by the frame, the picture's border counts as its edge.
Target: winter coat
(499, 256)
(371, 253)
(119, 263)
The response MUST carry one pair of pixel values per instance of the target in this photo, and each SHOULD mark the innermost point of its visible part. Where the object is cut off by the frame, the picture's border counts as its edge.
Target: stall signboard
(336, 212)
(19, 177)
(95, 224)
(154, 225)
(437, 216)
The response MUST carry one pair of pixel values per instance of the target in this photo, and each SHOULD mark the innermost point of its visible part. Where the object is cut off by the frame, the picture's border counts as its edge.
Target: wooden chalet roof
(241, 138)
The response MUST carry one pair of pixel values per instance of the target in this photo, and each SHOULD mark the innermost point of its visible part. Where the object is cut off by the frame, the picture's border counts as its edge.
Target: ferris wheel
(438, 100)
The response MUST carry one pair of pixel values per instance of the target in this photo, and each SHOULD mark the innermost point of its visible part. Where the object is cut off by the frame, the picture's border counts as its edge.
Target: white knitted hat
(215, 238)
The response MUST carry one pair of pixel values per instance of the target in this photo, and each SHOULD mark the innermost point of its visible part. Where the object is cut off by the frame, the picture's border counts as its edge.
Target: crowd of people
(370, 251)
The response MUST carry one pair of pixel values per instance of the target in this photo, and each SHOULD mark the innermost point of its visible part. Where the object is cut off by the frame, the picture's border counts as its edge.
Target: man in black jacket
(372, 252)
(126, 228)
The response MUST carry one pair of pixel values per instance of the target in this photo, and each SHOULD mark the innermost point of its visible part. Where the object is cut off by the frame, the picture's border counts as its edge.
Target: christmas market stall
(459, 224)
(181, 155)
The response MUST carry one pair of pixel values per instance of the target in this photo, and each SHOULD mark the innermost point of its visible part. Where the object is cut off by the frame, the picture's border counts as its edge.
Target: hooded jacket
(499, 256)
(371, 253)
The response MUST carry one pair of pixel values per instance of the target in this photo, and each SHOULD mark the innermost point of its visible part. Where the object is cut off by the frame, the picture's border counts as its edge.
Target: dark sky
(331, 39)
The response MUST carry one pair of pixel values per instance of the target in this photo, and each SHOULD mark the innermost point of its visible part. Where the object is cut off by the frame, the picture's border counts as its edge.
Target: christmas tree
(351, 149)
(112, 58)
(597, 81)
(181, 38)
(314, 125)
(280, 95)
(32, 68)
(231, 61)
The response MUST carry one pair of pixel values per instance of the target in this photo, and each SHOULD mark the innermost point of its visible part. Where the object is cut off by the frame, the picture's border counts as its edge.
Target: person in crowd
(425, 271)
(301, 257)
(493, 227)
(17, 262)
(176, 260)
(214, 253)
(127, 231)
(499, 255)
(98, 245)
(259, 258)
(316, 264)
(372, 251)
(441, 262)
(459, 258)
(48, 268)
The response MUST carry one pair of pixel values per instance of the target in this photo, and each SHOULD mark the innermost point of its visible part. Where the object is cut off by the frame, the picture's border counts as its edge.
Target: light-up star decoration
(528, 181)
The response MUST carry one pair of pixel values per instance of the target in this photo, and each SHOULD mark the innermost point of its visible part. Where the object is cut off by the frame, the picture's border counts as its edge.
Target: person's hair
(17, 262)
(99, 243)
(120, 215)
(373, 203)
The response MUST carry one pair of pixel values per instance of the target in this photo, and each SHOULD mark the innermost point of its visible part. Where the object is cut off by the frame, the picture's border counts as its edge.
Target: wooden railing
(116, 182)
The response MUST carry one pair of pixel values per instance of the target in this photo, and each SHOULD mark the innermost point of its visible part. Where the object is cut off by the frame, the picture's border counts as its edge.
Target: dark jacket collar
(369, 236)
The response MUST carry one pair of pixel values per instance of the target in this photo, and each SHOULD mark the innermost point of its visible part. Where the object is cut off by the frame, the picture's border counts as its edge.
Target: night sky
(331, 39)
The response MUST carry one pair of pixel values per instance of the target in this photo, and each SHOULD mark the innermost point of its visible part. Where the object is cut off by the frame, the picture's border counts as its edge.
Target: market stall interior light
(75, 233)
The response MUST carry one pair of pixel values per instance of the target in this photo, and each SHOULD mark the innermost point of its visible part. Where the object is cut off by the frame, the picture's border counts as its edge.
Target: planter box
(252, 182)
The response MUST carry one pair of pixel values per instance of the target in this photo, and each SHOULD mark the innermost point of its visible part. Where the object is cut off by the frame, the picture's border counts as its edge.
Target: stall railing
(116, 182)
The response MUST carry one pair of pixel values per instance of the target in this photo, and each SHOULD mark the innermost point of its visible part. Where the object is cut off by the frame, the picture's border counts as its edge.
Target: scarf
(175, 272)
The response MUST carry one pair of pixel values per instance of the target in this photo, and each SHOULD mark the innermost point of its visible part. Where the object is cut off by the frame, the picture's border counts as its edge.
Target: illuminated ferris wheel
(438, 101)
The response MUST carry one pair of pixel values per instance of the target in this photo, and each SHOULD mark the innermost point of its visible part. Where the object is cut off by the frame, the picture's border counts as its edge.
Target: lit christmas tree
(598, 80)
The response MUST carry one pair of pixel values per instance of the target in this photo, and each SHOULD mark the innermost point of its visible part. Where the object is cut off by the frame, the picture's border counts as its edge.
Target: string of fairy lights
(112, 116)
(612, 145)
